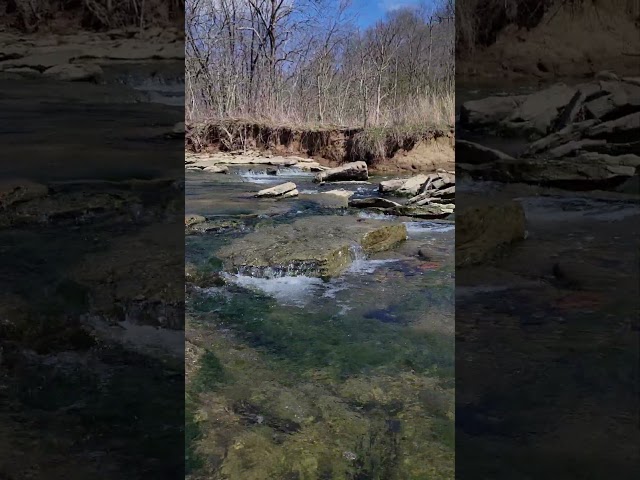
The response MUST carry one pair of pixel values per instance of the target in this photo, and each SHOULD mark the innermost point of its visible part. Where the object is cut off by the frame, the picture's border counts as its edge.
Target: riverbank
(384, 149)
(566, 44)
(81, 56)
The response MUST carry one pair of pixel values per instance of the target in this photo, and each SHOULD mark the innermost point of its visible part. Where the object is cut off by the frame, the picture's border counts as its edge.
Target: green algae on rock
(316, 246)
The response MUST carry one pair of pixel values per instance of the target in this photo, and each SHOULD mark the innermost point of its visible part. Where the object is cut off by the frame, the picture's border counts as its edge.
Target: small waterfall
(293, 269)
(357, 253)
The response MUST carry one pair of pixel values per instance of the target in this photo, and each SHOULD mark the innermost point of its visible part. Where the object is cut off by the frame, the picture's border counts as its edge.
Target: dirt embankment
(383, 149)
(71, 16)
(565, 43)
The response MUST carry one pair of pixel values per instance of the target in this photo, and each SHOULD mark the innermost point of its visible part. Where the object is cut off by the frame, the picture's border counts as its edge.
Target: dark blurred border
(547, 235)
(91, 206)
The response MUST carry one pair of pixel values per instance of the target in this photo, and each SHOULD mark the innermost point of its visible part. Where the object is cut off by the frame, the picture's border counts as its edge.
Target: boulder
(483, 226)
(193, 219)
(488, 112)
(314, 246)
(623, 98)
(537, 114)
(389, 186)
(278, 190)
(75, 72)
(414, 185)
(346, 172)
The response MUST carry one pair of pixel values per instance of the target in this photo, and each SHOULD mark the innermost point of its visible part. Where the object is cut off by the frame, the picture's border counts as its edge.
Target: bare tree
(304, 61)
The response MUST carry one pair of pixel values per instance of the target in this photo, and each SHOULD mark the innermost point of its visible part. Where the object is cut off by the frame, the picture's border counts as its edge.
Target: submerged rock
(348, 171)
(340, 193)
(284, 190)
(314, 246)
(482, 226)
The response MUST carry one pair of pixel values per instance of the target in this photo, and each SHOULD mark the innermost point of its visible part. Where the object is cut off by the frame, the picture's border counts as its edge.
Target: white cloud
(392, 5)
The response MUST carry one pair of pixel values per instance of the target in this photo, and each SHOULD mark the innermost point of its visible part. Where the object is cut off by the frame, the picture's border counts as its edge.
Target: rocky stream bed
(319, 334)
(547, 232)
(92, 310)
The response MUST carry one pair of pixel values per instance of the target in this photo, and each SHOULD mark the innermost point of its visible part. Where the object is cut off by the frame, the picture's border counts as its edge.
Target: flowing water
(299, 377)
(109, 410)
(547, 337)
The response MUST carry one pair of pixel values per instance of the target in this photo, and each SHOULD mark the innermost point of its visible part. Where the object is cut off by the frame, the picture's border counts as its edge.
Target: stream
(340, 378)
(547, 336)
(75, 341)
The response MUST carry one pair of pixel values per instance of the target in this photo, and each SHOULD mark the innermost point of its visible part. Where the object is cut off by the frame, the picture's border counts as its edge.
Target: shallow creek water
(547, 337)
(296, 377)
(109, 410)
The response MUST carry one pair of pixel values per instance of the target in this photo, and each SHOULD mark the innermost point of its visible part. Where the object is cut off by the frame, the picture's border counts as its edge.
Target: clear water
(346, 378)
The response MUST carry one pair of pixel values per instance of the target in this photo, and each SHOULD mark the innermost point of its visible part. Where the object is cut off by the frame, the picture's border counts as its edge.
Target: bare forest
(306, 62)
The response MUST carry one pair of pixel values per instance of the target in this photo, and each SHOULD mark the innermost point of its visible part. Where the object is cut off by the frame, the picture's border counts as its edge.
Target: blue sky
(370, 11)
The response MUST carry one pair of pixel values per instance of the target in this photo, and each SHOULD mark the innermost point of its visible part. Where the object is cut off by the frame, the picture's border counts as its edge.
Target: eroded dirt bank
(383, 149)
(566, 43)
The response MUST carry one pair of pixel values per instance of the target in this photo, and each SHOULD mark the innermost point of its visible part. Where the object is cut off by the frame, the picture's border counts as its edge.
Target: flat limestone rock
(348, 171)
(428, 212)
(482, 226)
(374, 202)
(278, 190)
(391, 185)
(413, 185)
(215, 169)
(314, 246)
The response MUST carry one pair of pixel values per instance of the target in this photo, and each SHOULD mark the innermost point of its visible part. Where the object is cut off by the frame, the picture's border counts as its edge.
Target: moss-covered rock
(483, 225)
(316, 246)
